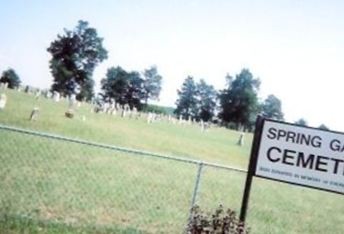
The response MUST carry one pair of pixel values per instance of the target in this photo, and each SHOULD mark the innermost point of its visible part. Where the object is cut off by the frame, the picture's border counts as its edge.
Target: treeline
(76, 53)
(235, 106)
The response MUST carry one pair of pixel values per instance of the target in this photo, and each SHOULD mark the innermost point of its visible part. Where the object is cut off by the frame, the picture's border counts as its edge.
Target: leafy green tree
(151, 84)
(272, 108)
(122, 86)
(115, 85)
(10, 76)
(75, 54)
(238, 101)
(86, 90)
(135, 93)
(301, 122)
(187, 100)
(207, 101)
(323, 127)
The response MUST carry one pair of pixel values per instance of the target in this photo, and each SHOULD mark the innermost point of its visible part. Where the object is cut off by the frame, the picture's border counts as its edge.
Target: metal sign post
(251, 167)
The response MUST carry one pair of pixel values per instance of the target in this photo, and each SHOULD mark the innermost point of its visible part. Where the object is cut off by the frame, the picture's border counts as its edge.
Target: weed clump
(220, 222)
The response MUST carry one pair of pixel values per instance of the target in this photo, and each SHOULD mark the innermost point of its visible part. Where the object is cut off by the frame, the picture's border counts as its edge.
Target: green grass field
(50, 186)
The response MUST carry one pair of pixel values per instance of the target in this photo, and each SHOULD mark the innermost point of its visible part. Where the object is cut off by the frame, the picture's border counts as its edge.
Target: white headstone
(180, 119)
(202, 125)
(241, 139)
(38, 94)
(3, 101)
(151, 117)
(56, 96)
(3, 85)
(48, 94)
(34, 113)
(126, 110)
(72, 101)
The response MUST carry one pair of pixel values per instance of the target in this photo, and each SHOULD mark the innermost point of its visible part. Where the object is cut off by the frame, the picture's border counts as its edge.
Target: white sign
(301, 155)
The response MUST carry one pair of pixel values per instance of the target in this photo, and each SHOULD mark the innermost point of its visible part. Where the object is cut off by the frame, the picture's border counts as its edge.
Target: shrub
(220, 222)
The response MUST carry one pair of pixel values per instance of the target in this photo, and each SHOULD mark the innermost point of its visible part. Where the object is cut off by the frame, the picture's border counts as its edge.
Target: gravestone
(106, 106)
(48, 94)
(56, 96)
(34, 113)
(38, 94)
(3, 101)
(135, 113)
(180, 119)
(151, 117)
(3, 85)
(241, 139)
(202, 125)
(72, 101)
(190, 120)
(126, 110)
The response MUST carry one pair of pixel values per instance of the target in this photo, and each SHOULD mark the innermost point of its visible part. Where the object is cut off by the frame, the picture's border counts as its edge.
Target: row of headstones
(3, 102)
(110, 108)
(3, 85)
(38, 92)
(113, 108)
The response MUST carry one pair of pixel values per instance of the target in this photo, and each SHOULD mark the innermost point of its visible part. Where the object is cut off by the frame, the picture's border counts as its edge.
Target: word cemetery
(297, 155)
(301, 155)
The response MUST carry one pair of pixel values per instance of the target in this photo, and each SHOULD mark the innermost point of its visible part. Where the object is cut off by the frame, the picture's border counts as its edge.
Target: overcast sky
(295, 47)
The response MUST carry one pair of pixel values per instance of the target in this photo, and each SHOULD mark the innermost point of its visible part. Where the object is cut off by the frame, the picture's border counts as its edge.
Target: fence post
(195, 191)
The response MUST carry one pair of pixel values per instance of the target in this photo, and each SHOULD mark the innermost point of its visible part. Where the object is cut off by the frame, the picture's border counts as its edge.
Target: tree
(207, 100)
(122, 86)
(301, 122)
(115, 85)
(323, 127)
(239, 102)
(135, 92)
(74, 58)
(86, 90)
(187, 100)
(151, 84)
(10, 76)
(272, 108)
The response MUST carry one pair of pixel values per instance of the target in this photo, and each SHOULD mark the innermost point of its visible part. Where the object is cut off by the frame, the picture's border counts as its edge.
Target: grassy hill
(216, 145)
(50, 186)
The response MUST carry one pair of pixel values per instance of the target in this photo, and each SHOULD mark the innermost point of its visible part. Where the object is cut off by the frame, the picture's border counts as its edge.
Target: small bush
(221, 222)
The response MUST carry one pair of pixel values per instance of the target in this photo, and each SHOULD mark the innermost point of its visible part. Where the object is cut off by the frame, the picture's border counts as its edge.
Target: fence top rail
(118, 148)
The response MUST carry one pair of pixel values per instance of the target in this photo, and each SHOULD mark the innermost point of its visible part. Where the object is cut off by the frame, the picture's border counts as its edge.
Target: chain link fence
(52, 180)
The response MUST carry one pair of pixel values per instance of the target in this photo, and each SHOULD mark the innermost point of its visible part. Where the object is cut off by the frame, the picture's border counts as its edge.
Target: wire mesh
(103, 189)
(80, 185)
